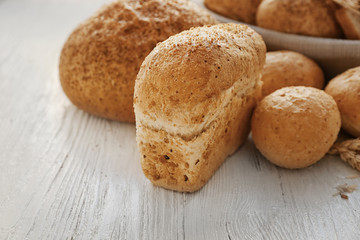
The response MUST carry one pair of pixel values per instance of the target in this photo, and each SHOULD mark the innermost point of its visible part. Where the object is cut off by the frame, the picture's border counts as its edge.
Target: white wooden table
(65, 174)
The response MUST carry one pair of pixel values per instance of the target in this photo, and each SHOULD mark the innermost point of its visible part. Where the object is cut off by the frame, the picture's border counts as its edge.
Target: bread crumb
(344, 188)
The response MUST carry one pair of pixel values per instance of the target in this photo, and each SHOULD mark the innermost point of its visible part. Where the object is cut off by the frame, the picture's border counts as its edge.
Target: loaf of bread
(345, 89)
(305, 17)
(101, 58)
(349, 22)
(242, 10)
(288, 68)
(295, 127)
(194, 95)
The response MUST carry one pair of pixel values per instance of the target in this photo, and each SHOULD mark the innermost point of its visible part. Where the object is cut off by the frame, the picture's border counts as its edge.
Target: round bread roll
(242, 10)
(305, 17)
(101, 58)
(287, 68)
(193, 100)
(345, 89)
(295, 127)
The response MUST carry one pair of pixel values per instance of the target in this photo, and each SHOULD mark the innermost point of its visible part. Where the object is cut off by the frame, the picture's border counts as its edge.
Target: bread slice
(194, 95)
(349, 22)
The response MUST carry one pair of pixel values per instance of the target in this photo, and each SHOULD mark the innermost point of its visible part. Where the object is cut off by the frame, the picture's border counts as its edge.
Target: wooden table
(68, 175)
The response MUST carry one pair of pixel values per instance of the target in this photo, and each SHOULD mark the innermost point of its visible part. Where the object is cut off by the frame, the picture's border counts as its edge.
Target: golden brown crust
(305, 17)
(100, 60)
(242, 10)
(349, 22)
(194, 95)
(345, 89)
(294, 127)
(288, 68)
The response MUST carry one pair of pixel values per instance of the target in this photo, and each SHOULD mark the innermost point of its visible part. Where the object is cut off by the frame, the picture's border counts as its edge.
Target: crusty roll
(101, 58)
(242, 10)
(194, 95)
(349, 22)
(305, 17)
(345, 89)
(288, 68)
(295, 127)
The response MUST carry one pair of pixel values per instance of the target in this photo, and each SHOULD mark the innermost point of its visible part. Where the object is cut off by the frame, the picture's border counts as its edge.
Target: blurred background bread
(349, 22)
(204, 84)
(288, 68)
(345, 89)
(100, 59)
(294, 127)
(242, 10)
(305, 17)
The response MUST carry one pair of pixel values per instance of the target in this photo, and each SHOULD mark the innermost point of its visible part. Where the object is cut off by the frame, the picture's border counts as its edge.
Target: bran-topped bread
(101, 58)
(242, 10)
(305, 17)
(194, 96)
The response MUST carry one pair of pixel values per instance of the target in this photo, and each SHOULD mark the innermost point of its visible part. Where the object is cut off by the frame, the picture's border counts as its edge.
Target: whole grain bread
(193, 99)
(101, 58)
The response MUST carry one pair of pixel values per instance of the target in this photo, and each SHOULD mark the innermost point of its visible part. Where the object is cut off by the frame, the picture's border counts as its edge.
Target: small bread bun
(305, 17)
(345, 89)
(294, 127)
(242, 10)
(101, 58)
(287, 68)
(193, 99)
(349, 22)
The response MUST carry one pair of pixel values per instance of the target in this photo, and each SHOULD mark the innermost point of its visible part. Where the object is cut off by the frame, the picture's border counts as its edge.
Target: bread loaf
(349, 22)
(101, 58)
(194, 95)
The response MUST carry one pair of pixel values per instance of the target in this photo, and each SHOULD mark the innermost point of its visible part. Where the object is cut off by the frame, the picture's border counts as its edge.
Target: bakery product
(349, 22)
(295, 127)
(100, 59)
(345, 89)
(242, 10)
(288, 68)
(305, 17)
(194, 95)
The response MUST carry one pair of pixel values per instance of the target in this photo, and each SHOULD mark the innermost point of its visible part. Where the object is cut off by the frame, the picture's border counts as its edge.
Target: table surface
(65, 174)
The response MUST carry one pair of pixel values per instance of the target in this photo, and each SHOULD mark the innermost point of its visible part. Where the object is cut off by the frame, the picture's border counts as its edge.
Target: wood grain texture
(65, 174)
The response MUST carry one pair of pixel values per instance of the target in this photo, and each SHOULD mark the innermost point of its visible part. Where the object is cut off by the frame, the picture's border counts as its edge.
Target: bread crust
(349, 22)
(194, 95)
(288, 68)
(305, 17)
(101, 58)
(294, 127)
(345, 89)
(242, 10)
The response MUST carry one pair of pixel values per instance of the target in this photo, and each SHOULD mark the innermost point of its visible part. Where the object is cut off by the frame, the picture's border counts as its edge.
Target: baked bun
(101, 58)
(349, 22)
(345, 89)
(295, 127)
(242, 10)
(194, 95)
(287, 68)
(305, 17)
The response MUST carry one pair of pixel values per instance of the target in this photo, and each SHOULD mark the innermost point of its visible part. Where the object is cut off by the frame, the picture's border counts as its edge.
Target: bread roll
(295, 127)
(101, 58)
(349, 22)
(345, 89)
(194, 95)
(287, 68)
(305, 17)
(242, 10)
